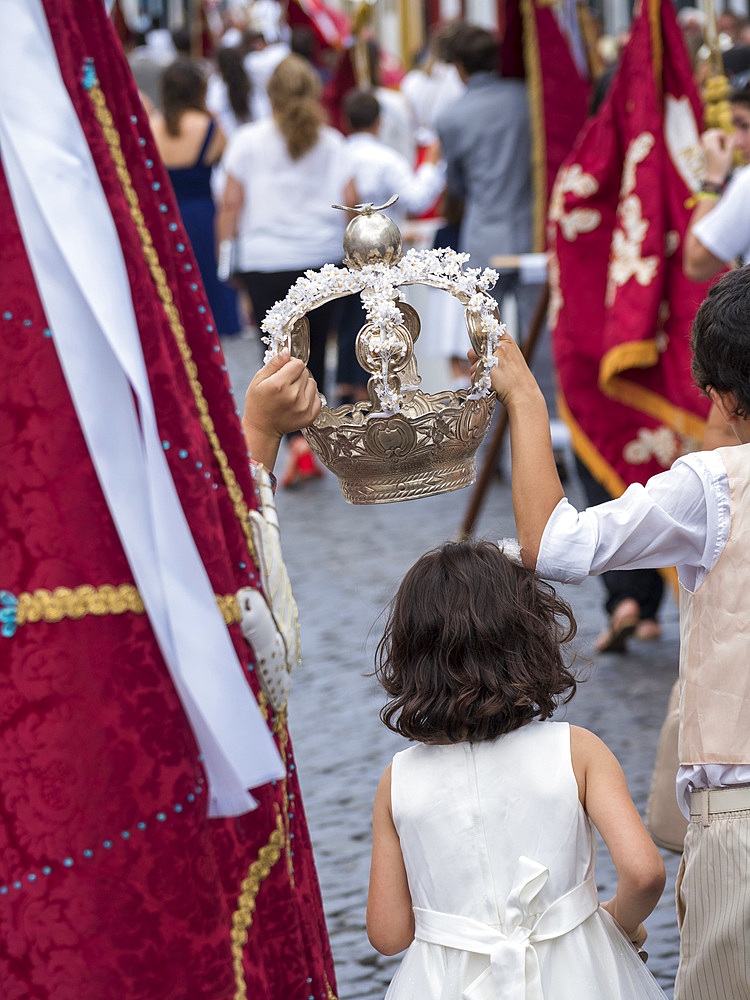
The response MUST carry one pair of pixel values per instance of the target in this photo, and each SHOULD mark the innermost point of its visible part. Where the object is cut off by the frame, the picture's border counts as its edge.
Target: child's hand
(282, 397)
(511, 377)
(637, 935)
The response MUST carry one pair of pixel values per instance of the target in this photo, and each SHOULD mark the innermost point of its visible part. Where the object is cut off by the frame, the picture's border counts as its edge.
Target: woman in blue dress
(191, 143)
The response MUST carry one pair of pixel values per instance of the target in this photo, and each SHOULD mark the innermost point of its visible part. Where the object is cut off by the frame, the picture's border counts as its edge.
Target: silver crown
(403, 443)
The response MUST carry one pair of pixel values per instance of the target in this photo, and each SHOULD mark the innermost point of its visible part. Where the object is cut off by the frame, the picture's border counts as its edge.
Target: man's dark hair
(741, 94)
(361, 109)
(182, 41)
(474, 48)
(473, 647)
(721, 339)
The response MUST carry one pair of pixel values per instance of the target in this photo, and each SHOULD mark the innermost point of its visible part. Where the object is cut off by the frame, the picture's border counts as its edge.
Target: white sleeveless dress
(500, 860)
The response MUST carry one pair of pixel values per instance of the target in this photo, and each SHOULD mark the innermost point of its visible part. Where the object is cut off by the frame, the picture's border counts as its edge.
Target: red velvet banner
(621, 308)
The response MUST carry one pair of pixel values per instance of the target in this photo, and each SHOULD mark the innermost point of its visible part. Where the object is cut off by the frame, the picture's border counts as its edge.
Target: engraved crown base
(428, 448)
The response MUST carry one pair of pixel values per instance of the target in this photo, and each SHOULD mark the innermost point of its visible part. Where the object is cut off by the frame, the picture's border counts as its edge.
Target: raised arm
(536, 487)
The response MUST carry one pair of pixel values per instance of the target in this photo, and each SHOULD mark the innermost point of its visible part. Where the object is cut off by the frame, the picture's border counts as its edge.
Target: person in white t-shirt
(283, 174)
(379, 172)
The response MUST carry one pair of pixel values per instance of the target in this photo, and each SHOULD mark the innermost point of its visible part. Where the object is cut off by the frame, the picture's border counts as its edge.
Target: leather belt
(709, 801)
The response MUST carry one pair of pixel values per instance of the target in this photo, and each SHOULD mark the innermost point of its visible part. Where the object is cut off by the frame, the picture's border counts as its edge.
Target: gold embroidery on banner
(242, 918)
(159, 278)
(556, 300)
(663, 444)
(53, 606)
(570, 180)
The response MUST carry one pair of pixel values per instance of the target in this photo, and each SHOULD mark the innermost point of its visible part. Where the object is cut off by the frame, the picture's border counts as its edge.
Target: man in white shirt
(695, 516)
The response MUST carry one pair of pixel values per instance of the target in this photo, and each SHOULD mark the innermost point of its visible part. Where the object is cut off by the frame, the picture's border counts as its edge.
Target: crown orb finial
(372, 239)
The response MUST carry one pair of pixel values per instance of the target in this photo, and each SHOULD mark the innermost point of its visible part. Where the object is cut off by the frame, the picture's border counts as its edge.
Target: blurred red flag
(621, 309)
(332, 26)
(544, 44)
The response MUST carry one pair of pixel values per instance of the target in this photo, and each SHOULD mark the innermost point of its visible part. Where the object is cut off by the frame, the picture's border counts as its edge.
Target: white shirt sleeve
(725, 231)
(679, 518)
(417, 189)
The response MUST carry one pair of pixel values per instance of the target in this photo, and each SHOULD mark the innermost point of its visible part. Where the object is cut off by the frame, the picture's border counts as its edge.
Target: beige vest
(715, 640)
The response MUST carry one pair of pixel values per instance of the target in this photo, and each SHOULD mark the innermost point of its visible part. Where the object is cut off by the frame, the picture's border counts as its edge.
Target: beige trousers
(713, 909)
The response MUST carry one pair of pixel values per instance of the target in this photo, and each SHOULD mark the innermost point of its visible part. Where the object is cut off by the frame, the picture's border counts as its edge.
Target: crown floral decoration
(378, 283)
(404, 443)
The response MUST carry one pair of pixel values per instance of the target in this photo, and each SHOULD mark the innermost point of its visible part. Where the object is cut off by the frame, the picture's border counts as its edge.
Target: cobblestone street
(345, 563)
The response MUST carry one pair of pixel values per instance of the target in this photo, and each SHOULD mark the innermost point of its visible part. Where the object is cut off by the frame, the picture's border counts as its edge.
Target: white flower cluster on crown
(441, 268)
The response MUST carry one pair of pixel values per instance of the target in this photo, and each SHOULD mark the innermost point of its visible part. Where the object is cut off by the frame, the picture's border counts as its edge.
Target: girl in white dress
(483, 843)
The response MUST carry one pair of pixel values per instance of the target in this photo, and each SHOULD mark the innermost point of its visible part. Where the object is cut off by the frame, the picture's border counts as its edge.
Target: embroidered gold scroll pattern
(77, 602)
(112, 137)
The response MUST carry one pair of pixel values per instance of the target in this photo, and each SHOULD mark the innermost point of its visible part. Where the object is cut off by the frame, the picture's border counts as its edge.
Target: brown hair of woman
(294, 90)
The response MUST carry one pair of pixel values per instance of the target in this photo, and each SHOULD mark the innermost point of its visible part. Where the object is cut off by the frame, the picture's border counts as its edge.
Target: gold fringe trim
(159, 278)
(533, 66)
(644, 354)
(242, 918)
(603, 472)
(53, 606)
(259, 870)
(634, 354)
(585, 449)
(656, 406)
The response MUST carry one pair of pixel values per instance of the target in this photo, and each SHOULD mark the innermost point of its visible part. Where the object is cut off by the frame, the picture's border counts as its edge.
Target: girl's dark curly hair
(472, 647)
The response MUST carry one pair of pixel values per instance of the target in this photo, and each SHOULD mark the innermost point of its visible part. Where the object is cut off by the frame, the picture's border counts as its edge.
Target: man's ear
(725, 403)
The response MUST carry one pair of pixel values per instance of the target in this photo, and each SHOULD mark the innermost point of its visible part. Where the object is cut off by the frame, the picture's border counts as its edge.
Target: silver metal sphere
(372, 238)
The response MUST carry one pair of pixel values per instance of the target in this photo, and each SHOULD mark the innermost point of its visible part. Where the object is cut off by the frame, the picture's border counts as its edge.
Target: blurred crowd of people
(264, 136)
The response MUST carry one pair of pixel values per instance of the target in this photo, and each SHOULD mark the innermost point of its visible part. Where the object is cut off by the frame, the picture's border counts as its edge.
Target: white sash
(77, 261)
(513, 973)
